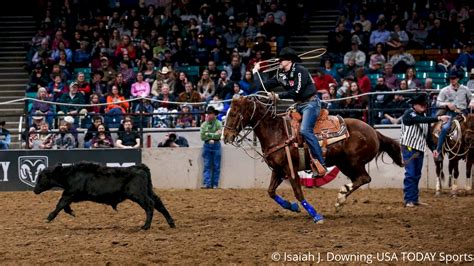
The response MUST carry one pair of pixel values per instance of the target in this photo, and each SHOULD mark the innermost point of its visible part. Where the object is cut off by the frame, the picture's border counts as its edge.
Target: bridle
(241, 136)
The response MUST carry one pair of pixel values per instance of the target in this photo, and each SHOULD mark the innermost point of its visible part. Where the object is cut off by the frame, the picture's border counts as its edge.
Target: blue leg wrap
(286, 204)
(316, 217)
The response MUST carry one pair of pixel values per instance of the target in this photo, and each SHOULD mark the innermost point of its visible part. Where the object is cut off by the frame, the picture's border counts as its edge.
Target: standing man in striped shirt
(415, 137)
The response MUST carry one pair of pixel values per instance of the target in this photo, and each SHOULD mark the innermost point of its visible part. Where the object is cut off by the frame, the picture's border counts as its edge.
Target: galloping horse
(460, 146)
(349, 155)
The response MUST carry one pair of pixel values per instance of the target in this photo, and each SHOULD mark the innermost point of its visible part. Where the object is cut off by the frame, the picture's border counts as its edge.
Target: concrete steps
(15, 32)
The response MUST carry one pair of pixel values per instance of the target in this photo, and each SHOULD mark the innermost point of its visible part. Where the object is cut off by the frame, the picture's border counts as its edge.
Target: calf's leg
(147, 204)
(159, 206)
(63, 202)
(68, 210)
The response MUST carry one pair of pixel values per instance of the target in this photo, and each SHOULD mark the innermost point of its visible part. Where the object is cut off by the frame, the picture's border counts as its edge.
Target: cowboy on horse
(298, 85)
(455, 99)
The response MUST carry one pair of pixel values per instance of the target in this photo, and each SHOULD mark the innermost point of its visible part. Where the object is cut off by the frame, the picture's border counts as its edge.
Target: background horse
(349, 155)
(457, 148)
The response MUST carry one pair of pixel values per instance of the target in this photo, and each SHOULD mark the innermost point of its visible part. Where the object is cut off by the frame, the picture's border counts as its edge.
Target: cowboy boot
(319, 170)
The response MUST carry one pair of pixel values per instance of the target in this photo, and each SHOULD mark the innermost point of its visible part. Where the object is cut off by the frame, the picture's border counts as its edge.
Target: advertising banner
(19, 169)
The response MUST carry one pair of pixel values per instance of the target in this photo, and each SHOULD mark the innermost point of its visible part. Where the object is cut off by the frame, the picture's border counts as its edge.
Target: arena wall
(183, 169)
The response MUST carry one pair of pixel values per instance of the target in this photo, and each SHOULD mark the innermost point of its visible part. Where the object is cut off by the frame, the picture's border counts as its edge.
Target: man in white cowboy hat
(298, 85)
(164, 76)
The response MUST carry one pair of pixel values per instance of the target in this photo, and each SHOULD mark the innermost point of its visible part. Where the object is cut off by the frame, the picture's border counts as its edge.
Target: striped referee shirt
(416, 131)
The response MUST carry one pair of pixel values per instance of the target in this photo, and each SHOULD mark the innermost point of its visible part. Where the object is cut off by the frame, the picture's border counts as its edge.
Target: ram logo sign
(29, 168)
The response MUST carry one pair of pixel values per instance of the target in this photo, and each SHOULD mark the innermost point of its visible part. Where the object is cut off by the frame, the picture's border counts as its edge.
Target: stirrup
(319, 170)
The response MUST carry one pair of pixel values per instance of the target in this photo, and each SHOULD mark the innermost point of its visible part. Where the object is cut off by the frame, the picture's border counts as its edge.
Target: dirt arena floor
(235, 226)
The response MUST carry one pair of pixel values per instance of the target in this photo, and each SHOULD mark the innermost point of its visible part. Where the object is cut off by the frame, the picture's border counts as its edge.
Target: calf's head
(47, 179)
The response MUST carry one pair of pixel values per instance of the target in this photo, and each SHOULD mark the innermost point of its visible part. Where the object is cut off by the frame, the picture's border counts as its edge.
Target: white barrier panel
(181, 168)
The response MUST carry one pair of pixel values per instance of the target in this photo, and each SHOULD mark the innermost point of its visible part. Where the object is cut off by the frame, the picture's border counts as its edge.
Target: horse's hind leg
(359, 176)
(277, 178)
(454, 169)
(439, 177)
(469, 163)
(295, 184)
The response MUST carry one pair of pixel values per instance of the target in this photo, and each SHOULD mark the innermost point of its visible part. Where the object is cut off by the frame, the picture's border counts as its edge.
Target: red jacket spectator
(363, 81)
(322, 81)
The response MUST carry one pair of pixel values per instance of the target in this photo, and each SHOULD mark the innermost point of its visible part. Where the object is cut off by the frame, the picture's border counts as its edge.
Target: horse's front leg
(295, 184)
(277, 178)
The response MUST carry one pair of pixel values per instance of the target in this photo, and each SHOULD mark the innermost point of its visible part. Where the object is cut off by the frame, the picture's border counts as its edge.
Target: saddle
(329, 129)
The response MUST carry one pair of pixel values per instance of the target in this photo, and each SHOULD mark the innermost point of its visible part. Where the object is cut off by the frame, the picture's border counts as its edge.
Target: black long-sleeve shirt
(297, 83)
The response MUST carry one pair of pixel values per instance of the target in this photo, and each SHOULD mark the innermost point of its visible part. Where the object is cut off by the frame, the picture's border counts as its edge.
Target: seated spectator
(64, 140)
(377, 59)
(231, 36)
(73, 97)
(102, 139)
(401, 60)
(125, 47)
(108, 71)
(72, 128)
(349, 69)
(244, 50)
(428, 85)
(122, 86)
(356, 102)
(339, 42)
(420, 35)
(37, 79)
(465, 58)
(394, 116)
(400, 34)
(164, 98)
(127, 71)
(216, 103)
(61, 47)
(412, 81)
(58, 71)
(250, 29)
(140, 88)
(98, 87)
(262, 46)
(42, 139)
(185, 119)
(222, 87)
(273, 31)
(380, 35)
(381, 100)
(322, 80)
(43, 108)
(280, 16)
(83, 86)
(189, 95)
(364, 22)
(470, 83)
(206, 86)
(173, 140)
(146, 109)
(92, 130)
(95, 108)
(362, 80)
(82, 57)
(56, 88)
(149, 74)
(164, 75)
(5, 136)
(330, 69)
(355, 53)
(437, 36)
(116, 107)
(128, 139)
(390, 79)
(65, 65)
(248, 84)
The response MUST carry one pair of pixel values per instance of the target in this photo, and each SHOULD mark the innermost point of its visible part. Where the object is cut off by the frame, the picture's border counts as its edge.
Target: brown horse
(349, 155)
(458, 148)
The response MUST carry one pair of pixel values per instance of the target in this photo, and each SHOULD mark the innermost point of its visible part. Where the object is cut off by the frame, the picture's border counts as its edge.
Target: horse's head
(468, 134)
(238, 117)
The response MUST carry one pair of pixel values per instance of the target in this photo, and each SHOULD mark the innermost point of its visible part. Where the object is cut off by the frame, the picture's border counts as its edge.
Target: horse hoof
(438, 194)
(319, 222)
(318, 219)
(295, 207)
(338, 207)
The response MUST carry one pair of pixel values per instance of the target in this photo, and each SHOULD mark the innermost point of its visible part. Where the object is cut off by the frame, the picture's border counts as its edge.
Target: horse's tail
(391, 147)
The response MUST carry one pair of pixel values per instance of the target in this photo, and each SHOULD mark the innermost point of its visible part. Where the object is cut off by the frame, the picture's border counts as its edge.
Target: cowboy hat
(38, 115)
(164, 70)
(260, 35)
(69, 119)
(212, 110)
(418, 99)
(453, 74)
(289, 54)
